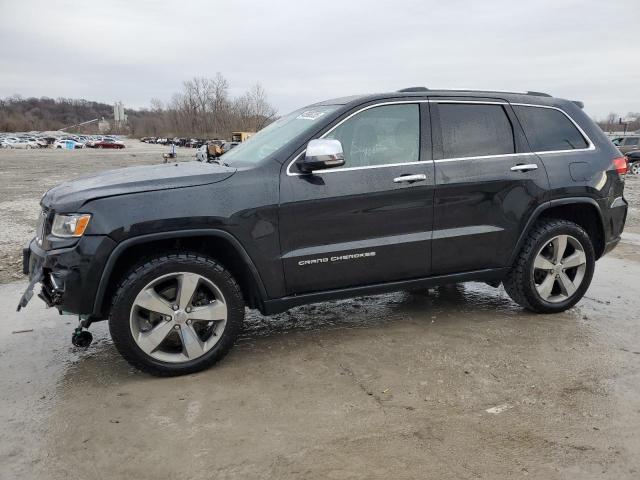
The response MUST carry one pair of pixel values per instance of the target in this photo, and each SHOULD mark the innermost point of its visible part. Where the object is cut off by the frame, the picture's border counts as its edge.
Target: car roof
(530, 97)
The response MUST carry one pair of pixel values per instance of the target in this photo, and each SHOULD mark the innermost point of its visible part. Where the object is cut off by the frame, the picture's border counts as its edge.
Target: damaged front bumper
(33, 279)
(68, 276)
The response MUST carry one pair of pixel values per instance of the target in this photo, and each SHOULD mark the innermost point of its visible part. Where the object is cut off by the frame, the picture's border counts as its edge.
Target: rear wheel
(176, 314)
(554, 268)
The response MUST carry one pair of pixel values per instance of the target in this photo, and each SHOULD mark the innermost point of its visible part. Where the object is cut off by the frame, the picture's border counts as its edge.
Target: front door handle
(524, 167)
(410, 178)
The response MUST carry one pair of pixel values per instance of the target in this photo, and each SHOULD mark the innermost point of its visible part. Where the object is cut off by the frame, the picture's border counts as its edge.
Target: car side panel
(481, 205)
(341, 228)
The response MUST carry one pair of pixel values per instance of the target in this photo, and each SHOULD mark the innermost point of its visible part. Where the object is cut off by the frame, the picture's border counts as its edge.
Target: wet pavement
(454, 383)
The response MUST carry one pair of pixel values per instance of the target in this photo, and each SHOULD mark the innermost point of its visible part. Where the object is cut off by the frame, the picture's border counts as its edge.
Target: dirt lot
(455, 383)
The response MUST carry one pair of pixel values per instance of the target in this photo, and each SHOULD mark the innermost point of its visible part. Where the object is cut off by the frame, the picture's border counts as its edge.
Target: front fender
(125, 244)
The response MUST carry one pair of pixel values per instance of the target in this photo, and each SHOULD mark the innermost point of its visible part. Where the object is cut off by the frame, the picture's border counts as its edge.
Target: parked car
(348, 197)
(108, 143)
(202, 155)
(197, 142)
(20, 143)
(634, 162)
(226, 146)
(628, 143)
(65, 142)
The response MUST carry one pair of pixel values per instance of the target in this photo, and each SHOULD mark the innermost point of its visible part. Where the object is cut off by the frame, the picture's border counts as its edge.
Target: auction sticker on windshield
(310, 115)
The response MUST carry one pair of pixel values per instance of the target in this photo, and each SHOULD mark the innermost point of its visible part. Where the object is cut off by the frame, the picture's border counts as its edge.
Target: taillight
(621, 165)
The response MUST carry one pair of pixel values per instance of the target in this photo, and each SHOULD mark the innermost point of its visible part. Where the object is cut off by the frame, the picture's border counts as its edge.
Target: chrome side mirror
(321, 153)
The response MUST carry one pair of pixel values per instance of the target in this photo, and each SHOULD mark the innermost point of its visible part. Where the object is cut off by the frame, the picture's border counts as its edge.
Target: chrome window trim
(483, 102)
(443, 160)
(455, 159)
(364, 167)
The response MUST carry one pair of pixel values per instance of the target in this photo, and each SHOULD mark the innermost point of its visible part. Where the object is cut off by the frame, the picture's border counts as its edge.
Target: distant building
(119, 117)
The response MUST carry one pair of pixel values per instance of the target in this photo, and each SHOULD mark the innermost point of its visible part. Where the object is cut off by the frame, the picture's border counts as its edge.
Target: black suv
(352, 196)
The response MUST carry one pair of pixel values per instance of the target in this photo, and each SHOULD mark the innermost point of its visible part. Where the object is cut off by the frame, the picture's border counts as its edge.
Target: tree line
(19, 114)
(203, 108)
(616, 123)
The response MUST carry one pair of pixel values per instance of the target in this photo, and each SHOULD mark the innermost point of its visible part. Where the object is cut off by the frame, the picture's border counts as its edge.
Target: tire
(173, 356)
(634, 168)
(527, 283)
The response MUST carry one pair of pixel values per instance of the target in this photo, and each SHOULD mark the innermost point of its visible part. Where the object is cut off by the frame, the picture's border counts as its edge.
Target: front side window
(276, 135)
(474, 130)
(380, 135)
(548, 129)
(631, 141)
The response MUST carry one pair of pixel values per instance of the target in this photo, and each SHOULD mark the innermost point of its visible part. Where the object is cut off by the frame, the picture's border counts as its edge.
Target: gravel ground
(26, 174)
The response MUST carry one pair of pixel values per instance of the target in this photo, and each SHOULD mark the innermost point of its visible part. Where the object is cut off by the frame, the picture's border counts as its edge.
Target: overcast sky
(304, 51)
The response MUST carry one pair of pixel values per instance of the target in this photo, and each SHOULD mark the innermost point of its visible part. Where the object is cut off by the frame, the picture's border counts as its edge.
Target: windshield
(276, 135)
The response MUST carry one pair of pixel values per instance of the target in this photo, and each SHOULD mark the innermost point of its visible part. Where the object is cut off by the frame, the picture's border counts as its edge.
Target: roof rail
(538, 94)
(414, 89)
(425, 89)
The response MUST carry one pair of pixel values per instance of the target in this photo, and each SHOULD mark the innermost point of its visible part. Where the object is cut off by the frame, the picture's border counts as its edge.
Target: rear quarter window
(473, 130)
(548, 129)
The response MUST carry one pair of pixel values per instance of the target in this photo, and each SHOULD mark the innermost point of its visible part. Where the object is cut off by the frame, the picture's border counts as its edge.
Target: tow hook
(82, 338)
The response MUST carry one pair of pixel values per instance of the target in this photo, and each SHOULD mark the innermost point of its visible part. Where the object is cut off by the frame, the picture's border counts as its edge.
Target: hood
(70, 196)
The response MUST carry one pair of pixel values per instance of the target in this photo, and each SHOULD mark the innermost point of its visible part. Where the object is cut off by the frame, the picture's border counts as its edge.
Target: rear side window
(548, 129)
(472, 130)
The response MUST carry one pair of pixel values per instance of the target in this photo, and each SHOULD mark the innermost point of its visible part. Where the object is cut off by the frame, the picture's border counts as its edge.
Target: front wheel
(554, 268)
(635, 168)
(176, 314)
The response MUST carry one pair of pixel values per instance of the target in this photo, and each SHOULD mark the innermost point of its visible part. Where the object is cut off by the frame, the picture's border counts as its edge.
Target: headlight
(72, 225)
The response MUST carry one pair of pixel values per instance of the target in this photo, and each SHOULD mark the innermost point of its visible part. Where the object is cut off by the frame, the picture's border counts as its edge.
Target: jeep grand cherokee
(352, 196)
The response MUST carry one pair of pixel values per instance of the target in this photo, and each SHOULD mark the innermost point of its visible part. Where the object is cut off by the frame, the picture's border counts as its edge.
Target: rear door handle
(410, 178)
(523, 167)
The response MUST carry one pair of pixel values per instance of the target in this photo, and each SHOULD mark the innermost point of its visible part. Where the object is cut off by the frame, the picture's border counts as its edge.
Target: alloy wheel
(559, 268)
(178, 317)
